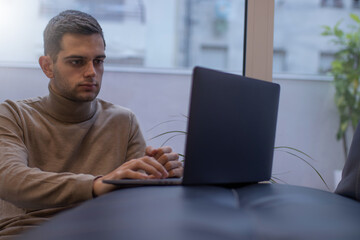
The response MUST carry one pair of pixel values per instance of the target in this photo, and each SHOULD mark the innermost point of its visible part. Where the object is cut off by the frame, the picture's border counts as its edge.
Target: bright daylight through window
(139, 33)
(299, 47)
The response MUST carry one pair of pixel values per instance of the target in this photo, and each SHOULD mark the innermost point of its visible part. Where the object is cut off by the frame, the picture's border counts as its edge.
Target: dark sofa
(259, 211)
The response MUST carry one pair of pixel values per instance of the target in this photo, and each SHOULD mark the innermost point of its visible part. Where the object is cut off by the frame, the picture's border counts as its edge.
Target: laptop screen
(231, 129)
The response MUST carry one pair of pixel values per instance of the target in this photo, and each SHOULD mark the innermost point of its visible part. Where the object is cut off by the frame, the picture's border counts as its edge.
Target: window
(214, 56)
(355, 4)
(279, 60)
(112, 10)
(332, 3)
(326, 59)
(297, 33)
(139, 33)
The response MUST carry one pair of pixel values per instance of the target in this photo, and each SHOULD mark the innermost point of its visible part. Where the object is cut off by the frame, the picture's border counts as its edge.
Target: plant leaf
(168, 139)
(297, 150)
(169, 132)
(272, 181)
(322, 179)
(355, 17)
(159, 124)
(278, 179)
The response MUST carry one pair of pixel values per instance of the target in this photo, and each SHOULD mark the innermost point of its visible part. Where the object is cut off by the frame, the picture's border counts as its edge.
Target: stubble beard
(69, 92)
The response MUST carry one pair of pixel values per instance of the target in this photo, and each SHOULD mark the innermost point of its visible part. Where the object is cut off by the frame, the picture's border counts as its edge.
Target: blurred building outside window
(139, 33)
(180, 34)
(297, 33)
(332, 3)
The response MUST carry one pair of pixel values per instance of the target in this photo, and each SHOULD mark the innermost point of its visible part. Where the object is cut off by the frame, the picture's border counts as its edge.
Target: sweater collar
(66, 110)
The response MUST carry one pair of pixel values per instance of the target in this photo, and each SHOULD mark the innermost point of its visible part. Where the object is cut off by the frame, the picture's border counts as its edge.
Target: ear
(47, 65)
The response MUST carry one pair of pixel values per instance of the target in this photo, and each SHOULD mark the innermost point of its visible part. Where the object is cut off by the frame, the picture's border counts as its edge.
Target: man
(349, 185)
(56, 150)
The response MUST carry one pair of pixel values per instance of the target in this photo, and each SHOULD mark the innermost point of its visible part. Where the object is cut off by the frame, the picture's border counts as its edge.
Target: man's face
(78, 70)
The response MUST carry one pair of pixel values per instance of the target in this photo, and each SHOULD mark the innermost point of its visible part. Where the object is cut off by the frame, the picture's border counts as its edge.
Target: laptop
(231, 131)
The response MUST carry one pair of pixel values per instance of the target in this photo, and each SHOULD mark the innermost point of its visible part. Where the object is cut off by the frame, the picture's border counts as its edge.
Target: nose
(90, 70)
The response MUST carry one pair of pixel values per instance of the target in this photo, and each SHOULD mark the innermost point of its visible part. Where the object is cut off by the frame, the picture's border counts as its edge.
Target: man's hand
(168, 159)
(142, 168)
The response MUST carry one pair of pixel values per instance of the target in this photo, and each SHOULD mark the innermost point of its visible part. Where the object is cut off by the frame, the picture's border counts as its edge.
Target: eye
(98, 61)
(76, 62)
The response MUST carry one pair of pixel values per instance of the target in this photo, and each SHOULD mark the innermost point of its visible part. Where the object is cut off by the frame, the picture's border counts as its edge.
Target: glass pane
(139, 33)
(299, 47)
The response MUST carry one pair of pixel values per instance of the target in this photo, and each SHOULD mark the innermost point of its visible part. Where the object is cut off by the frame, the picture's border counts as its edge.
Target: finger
(150, 169)
(129, 173)
(150, 151)
(177, 172)
(168, 157)
(172, 165)
(161, 151)
(151, 166)
(143, 164)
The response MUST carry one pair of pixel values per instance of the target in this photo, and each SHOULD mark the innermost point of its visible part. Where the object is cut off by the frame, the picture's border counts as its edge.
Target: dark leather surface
(261, 211)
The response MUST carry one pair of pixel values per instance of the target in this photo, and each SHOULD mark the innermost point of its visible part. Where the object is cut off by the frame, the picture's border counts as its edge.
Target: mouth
(88, 86)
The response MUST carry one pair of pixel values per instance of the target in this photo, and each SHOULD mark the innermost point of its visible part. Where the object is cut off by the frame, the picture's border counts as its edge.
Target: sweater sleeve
(136, 143)
(32, 188)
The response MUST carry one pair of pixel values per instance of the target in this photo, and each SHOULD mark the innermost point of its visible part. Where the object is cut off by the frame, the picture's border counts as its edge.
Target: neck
(67, 110)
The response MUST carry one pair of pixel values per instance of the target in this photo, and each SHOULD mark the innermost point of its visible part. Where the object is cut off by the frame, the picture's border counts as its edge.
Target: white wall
(307, 116)
(307, 121)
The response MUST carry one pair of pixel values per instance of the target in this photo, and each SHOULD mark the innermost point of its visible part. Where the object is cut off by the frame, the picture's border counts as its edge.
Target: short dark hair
(69, 21)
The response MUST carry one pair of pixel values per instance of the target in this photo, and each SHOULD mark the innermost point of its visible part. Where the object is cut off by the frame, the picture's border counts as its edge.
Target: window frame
(259, 35)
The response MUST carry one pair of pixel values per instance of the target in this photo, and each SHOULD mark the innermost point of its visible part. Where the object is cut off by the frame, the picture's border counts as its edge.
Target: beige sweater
(51, 149)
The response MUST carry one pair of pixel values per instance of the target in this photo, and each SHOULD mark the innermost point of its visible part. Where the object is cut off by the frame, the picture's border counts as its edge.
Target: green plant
(289, 150)
(346, 73)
